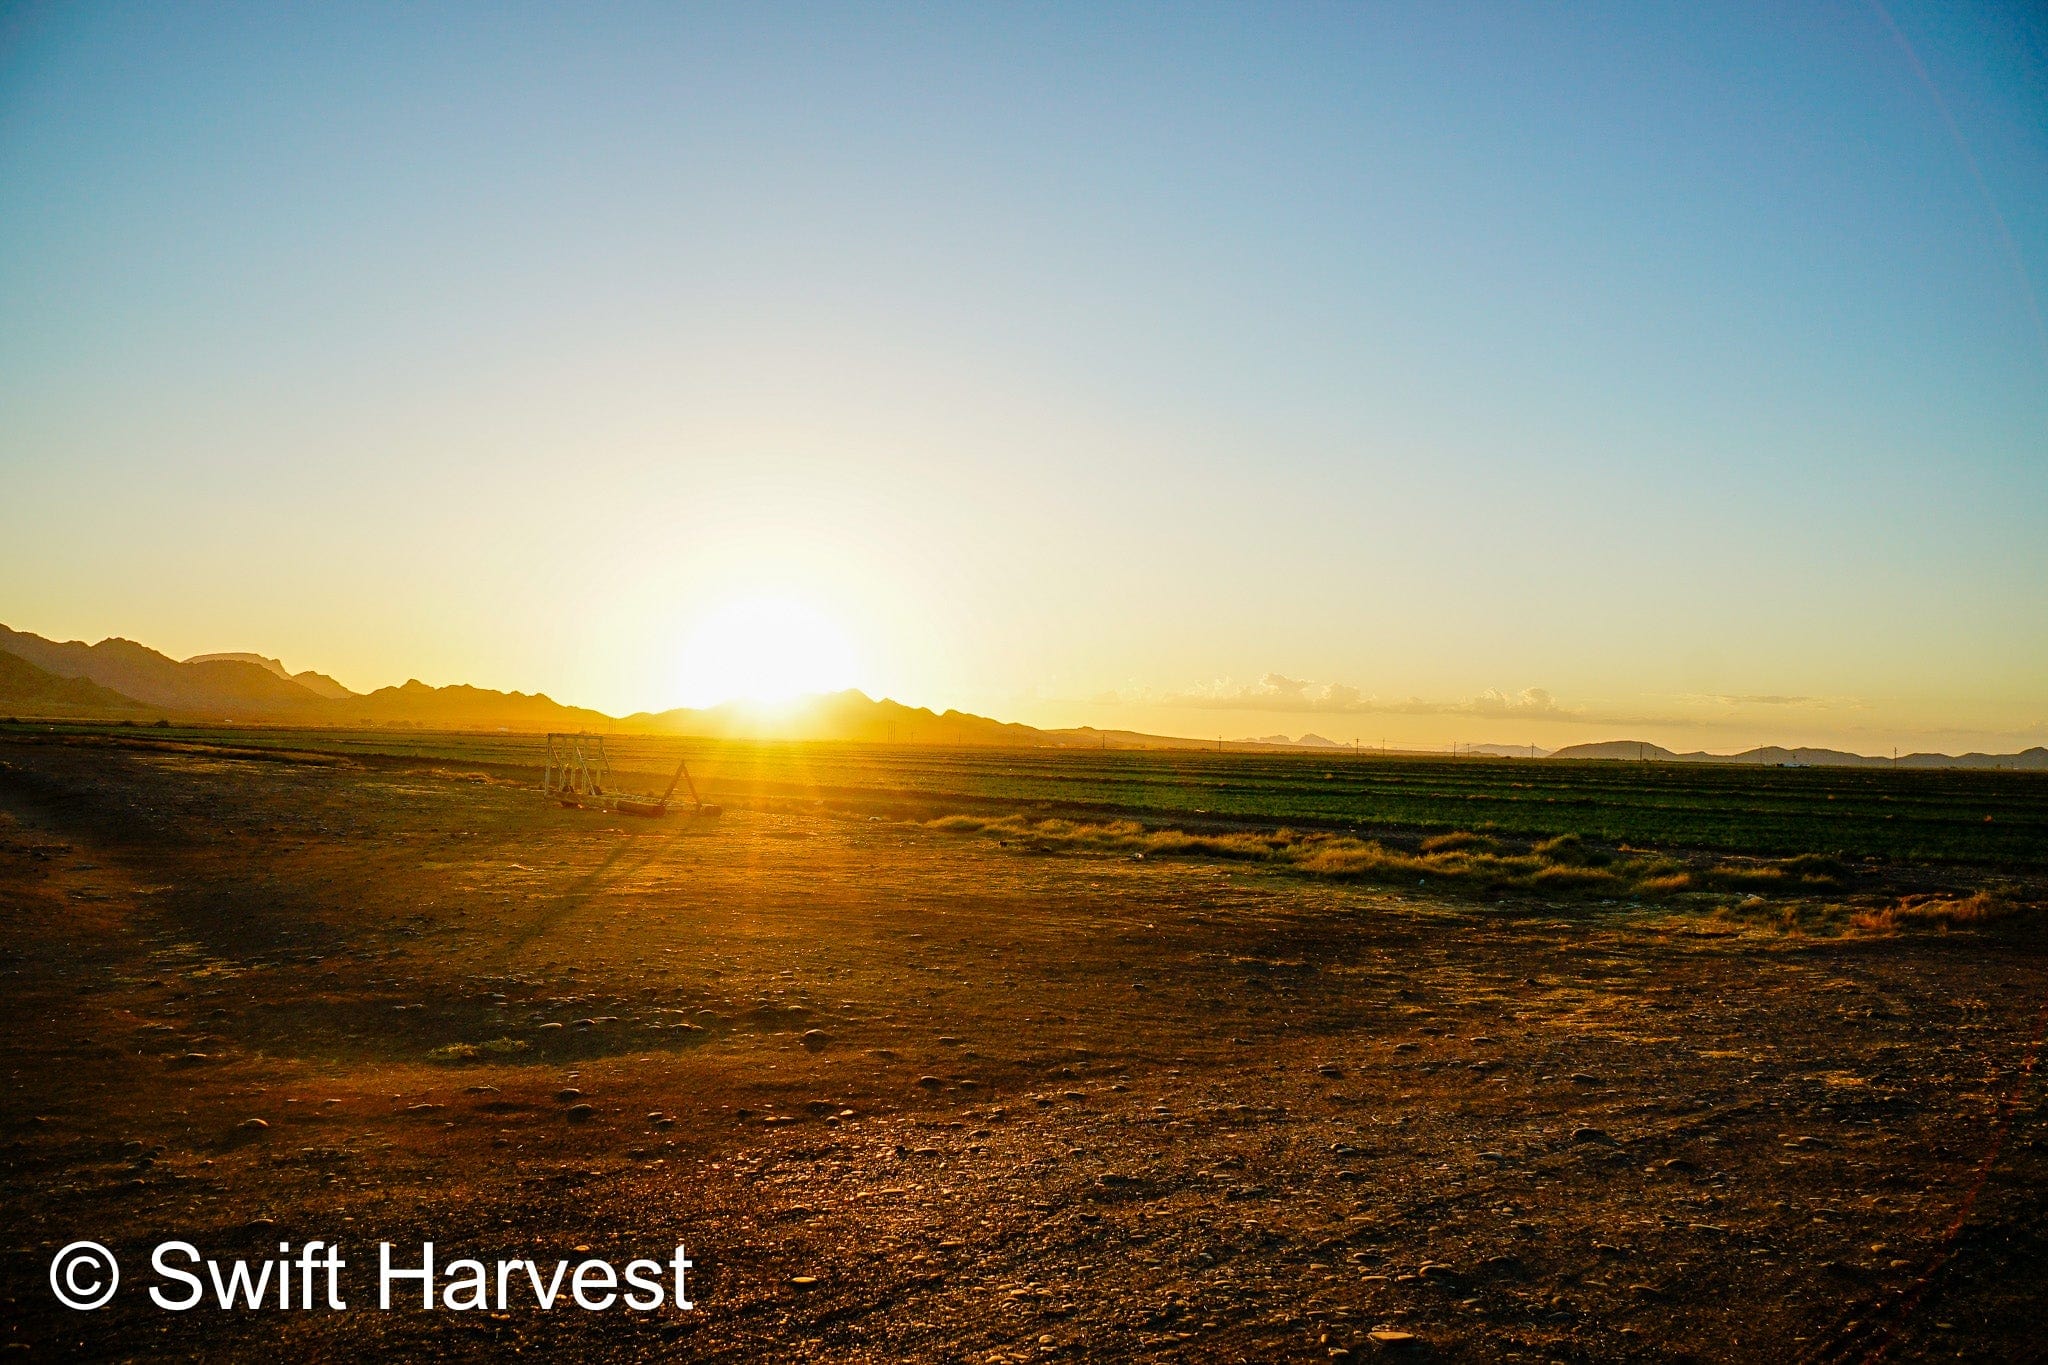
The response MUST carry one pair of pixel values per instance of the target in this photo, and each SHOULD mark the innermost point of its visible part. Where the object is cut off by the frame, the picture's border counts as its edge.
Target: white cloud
(1278, 692)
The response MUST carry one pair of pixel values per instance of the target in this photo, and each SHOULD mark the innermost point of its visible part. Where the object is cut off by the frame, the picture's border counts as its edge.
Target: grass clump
(476, 1052)
(1459, 861)
(1459, 840)
(1793, 894)
(1940, 913)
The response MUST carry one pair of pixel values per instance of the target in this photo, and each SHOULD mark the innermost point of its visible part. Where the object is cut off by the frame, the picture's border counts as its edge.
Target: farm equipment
(579, 775)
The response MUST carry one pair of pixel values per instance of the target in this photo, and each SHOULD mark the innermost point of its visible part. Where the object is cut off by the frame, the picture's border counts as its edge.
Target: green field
(1992, 819)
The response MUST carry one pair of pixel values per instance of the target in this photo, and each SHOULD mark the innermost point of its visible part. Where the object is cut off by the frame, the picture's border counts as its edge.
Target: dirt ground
(908, 1096)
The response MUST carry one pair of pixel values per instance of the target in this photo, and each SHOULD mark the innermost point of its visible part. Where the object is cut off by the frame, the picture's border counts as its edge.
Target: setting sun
(764, 650)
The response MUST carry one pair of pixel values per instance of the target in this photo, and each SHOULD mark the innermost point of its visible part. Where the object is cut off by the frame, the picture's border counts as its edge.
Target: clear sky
(1525, 373)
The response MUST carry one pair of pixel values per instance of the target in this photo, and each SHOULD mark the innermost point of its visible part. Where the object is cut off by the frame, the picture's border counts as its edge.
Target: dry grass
(1797, 895)
(1940, 913)
(1460, 861)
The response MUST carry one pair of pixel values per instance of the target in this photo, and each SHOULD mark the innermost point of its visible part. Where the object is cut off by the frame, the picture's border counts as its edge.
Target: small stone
(1387, 1339)
(803, 1281)
(1593, 1135)
(568, 1093)
(581, 1113)
(815, 1038)
(252, 1125)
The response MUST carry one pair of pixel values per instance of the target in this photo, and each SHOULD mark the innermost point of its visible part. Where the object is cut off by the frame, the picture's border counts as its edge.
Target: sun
(765, 651)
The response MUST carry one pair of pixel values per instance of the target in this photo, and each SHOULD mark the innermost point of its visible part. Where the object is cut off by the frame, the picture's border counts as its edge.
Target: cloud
(1283, 694)
(1532, 701)
(1733, 699)
(1277, 692)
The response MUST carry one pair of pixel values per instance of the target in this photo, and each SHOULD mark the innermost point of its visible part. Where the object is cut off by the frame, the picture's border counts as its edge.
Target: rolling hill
(318, 683)
(218, 689)
(28, 690)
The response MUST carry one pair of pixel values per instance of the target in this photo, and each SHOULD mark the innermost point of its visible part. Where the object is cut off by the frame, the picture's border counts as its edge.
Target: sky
(1415, 374)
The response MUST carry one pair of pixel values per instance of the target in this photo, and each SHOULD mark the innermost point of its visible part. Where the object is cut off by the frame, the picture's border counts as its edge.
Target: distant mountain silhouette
(318, 683)
(848, 715)
(121, 680)
(217, 689)
(28, 690)
(1629, 750)
(461, 707)
(2029, 760)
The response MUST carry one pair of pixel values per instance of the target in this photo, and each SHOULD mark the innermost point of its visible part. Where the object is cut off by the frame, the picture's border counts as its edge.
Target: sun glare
(765, 651)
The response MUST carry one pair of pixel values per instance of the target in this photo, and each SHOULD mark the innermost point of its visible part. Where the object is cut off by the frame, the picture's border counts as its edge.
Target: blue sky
(1492, 372)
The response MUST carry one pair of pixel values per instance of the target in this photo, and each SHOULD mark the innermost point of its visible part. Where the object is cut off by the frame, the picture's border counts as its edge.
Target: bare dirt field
(912, 1095)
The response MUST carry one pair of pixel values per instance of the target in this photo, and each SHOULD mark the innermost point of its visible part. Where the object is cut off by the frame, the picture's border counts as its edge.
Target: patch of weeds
(473, 1052)
(1940, 913)
(1458, 840)
(1458, 861)
(1805, 874)
(1787, 895)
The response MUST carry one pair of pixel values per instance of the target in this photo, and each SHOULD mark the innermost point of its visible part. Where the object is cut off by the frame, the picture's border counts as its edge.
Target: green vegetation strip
(1985, 819)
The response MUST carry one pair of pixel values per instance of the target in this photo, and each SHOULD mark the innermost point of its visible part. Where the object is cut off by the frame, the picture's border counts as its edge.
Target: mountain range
(1641, 751)
(121, 680)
